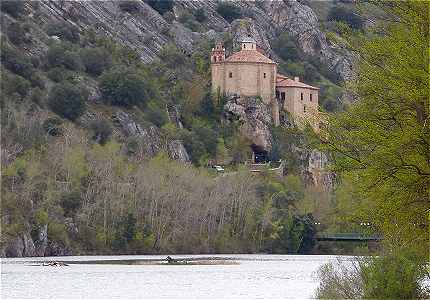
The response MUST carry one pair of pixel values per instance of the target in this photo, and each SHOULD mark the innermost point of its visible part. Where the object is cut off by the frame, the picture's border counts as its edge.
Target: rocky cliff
(147, 31)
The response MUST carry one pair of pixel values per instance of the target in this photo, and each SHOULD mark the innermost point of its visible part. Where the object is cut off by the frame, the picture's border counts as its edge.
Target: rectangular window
(301, 96)
(310, 97)
(304, 108)
(230, 75)
(277, 94)
(264, 74)
(282, 96)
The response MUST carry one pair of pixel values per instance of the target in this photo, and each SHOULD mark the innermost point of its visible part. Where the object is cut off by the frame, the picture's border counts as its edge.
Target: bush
(58, 74)
(228, 11)
(161, 6)
(16, 62)
(12, 83)
(53, 127)
(36, 80)
(101, 131)
(343, 14)
(17, 33)
(14, 8)
(156, 114)
(37, 96)
(286, 48)
(70, 203)
(124, 87)
(57, 232)
(200, 15)
(129, 6)
(395, 275)
(64, 31)
(67, 101)
(58, 55)
(96, 60)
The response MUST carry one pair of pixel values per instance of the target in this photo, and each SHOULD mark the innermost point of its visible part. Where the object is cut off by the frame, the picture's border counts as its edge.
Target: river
(238, 277)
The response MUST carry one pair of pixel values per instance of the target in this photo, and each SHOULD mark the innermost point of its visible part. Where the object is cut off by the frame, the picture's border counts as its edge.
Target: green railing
(350, 237)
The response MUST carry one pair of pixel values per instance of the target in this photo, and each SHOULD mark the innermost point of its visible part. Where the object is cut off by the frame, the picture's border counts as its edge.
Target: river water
(243, 277)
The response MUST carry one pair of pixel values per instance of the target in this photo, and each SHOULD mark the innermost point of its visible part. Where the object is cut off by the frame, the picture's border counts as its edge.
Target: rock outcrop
(147, 32)
(150, 139)
(254, 118)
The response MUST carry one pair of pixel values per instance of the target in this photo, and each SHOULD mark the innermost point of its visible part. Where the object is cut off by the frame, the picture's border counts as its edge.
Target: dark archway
(260, 155)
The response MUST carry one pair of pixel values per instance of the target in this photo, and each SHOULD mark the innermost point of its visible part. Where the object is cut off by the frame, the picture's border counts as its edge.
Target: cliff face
(146, 31)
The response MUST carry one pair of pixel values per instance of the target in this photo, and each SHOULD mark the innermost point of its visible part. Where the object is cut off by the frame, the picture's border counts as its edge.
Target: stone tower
(218, 53)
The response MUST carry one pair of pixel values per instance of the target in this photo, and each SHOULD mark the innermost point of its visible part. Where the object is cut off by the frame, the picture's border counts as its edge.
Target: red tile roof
(284, 81)
(249, 56)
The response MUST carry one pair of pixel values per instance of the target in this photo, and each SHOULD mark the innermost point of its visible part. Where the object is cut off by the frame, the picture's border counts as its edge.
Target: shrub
(70, 202)
(129, 6)
(286, 48)
(64, 31)
(123, 86)
(156, 114)
(41, 217)
(57, 232)
(58, 55)
(17, 33)
(101, 131)
(16, 62)
(96, 60)
(53, 127)
(12, 83)
(200, 15)
(58, 74)
(36, 80)
(67, 101)
(343, 14)
(228, 11)
(161, 6)
(37, 96)
(14, 8)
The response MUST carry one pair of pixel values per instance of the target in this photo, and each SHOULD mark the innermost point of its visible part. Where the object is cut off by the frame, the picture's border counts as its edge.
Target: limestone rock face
(148, 32)
(151, 139)
(317, 169)
(254, 118)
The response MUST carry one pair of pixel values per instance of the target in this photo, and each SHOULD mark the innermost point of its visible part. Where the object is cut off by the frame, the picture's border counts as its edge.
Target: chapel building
(249, 72)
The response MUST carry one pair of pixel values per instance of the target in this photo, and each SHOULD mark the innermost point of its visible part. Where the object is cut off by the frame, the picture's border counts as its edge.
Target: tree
(96, 60)
(380, 145)
(228, 11)
(161, 6)
(343, 14)
(67, 100)
(124, 87)
(15, 8)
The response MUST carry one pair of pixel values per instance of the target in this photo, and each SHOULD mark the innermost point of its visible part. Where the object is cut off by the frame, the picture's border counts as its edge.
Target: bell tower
(218, 53)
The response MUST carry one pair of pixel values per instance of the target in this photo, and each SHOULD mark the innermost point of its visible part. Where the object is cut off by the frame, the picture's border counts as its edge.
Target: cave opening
(260, 156)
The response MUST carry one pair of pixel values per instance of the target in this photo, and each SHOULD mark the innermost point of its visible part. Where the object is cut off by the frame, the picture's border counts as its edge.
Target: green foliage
(228, 11)
(155, 112)
(161, 6)
(101, 131)
(59, 55)
(41, 217)
(67, 100)
(397, 275)
(286, 48)
(64, 30)
(200, 15)
(12, 84)
(52, 126)
(57, 232)
(131, 6)
(344, 14)
(16, 62)
(15, 8)
(70, 202)
(124, 87)
(17, 33)
(96, 60)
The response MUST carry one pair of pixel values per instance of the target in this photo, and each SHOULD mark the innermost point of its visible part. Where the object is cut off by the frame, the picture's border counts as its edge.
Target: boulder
(254, 118)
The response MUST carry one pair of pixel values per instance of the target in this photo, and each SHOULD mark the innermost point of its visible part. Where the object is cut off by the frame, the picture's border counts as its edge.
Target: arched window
(230, 75)
(301, 96)
(244, 46)
(264, 75)
(310, 97)
(214, 58)
(304, 108)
